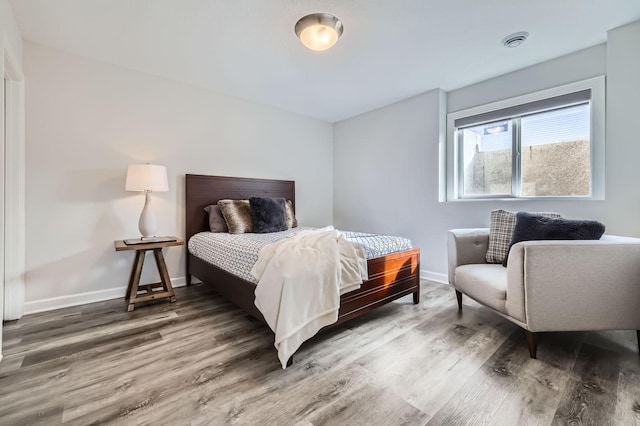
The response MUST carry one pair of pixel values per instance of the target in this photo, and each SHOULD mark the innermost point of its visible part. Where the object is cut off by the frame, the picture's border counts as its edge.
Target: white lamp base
(148, 225)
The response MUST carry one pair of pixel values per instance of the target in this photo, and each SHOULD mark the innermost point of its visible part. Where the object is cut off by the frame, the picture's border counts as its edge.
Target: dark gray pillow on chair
(268, 214)
(535, 227)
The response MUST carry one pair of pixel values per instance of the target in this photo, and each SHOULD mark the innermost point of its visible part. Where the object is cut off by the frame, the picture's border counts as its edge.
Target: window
(546, 144)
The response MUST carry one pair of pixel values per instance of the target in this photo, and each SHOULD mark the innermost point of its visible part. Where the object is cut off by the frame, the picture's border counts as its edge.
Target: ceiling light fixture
(497, 128)
(319, 31)
(515, 39)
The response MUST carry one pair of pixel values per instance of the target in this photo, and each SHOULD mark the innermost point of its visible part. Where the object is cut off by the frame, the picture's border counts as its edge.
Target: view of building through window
(554, 155)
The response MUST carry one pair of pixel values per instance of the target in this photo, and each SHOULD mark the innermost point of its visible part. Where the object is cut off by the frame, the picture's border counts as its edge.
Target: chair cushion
(485, 283)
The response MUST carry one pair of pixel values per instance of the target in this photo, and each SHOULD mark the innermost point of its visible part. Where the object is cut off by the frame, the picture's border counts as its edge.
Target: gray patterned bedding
(237, 253)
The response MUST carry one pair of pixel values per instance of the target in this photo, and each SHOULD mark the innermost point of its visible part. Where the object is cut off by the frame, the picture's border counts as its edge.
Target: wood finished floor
(201, 361)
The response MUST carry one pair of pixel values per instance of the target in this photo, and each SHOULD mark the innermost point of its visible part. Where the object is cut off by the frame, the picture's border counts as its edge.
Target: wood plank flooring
(202, 361)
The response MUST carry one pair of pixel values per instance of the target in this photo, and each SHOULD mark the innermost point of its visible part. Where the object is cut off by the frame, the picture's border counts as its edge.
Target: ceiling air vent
(515, 39)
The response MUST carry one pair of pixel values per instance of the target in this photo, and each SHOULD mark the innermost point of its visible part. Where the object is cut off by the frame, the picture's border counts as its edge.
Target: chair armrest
(578, 285)
(466, 246)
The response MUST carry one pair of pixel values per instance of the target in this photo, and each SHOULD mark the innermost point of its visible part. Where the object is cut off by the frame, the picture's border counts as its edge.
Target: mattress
(237, 253)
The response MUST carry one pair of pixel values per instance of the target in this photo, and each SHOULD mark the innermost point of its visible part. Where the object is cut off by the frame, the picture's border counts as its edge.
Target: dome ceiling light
(319, 31)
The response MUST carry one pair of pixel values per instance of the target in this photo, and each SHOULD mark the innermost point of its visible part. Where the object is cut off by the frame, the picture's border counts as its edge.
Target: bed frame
(390, 277)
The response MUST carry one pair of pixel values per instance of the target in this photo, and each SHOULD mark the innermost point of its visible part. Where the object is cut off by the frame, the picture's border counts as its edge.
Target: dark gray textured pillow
(237, 214)
(533, 227)
(292, 222)
(268, 214)
(216, 220)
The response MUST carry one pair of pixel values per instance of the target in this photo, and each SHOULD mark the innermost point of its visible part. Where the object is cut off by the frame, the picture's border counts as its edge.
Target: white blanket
(300, 280)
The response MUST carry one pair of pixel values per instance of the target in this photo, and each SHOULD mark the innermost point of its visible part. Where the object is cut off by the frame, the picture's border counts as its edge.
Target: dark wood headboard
(202, 190)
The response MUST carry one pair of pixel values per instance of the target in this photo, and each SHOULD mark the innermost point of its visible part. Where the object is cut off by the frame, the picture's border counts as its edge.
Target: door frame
(14, 183)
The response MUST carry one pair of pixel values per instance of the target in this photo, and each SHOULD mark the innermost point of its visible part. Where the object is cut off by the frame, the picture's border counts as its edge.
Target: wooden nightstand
(160, 290)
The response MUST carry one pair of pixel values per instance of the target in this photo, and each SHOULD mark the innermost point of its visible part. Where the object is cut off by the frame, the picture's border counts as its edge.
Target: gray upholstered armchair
(551, 285)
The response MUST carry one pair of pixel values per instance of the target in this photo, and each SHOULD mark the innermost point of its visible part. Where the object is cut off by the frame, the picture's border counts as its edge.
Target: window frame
(597, 141)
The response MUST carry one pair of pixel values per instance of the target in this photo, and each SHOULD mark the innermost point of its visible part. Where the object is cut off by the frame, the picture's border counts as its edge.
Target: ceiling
(390, 49)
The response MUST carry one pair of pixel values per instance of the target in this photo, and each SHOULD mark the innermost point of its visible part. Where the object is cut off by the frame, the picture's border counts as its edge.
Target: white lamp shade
(147, 177)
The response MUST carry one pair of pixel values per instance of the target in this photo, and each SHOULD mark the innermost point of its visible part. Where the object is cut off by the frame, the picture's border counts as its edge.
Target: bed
(390, 277)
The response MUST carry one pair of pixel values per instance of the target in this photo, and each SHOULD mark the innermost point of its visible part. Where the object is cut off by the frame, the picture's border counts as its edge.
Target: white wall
(11, 49)
(623, 142)
(386, 170)
(86, 121)
(577, 66)
(386, 161)
(10, 38)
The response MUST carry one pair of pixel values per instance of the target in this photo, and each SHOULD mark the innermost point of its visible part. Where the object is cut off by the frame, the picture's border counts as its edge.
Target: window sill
(516, 199)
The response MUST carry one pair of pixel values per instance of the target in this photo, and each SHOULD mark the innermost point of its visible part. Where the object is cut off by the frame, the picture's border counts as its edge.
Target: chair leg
(459, 297)
(532, 342)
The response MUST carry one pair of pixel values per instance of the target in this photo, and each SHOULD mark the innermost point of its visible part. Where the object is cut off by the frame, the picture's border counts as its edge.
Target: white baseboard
(43, 305)
(434, 276)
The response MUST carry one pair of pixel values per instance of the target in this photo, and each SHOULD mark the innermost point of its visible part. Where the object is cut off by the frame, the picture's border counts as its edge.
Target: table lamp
(148, 178)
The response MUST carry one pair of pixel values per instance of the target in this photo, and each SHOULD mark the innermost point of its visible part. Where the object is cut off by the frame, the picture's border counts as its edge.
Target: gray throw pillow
(268, 214)
(216, 220)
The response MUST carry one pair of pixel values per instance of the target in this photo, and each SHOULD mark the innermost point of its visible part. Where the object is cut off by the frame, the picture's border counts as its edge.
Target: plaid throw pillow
(501, 232)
